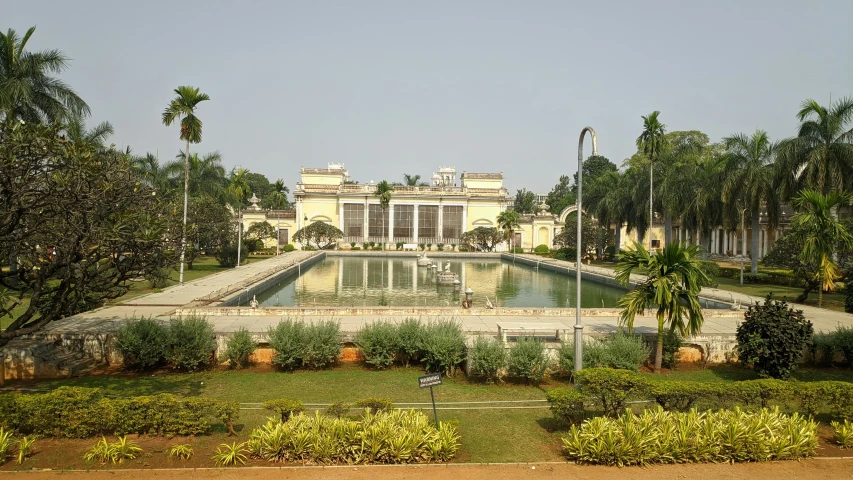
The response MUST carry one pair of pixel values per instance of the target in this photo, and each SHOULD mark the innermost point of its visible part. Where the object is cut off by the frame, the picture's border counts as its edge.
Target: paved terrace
(199, 294)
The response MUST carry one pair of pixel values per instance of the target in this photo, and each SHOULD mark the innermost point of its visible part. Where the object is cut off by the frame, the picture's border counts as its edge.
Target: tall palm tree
(277, 198)
(821, 155)
(383, 192)
(206, 174)
(749, 180)
(97, 136)
(672, 285)
(508, 221)
(609, 199)
(822, 233)
(27, 90)
(183, 106)
(238, 190)
(652, 142)
(153, 174)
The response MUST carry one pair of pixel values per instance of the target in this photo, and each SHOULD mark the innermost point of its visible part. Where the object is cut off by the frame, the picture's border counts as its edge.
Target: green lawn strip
(831, 301)
(732, 373)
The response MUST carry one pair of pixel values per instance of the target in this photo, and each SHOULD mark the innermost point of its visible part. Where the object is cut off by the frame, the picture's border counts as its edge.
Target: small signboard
(430, 380)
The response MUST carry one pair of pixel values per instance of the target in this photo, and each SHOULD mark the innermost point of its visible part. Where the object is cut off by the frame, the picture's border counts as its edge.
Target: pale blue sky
(393, 87)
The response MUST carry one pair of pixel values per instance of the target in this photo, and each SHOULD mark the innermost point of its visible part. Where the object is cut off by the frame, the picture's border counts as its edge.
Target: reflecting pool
(353, 281)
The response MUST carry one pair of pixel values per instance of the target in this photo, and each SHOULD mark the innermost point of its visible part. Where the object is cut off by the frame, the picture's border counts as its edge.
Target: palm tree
(413, 181)
(508, 221)
(237, 191)
(652, 142)
(155, 176)
(822, 233)
(383, 192)
(609, 200)
(76, 131)
(749, 180)
(27, 90)
(277, 199)
(672, 285)
(183, 106)
(821, 155)
(206, 174)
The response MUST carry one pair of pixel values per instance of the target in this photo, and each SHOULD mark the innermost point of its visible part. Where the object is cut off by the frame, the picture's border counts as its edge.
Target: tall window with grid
(404, 221)
(452, 223)
(375, 214)
(428, 221)
(353, 219)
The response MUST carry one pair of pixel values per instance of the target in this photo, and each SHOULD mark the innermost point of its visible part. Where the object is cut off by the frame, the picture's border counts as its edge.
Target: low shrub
(848, 296)
(322, 344)
(711, 268)
(240, 347)
(116, 452)
(620, 350)
(284, 407)
(375, 405)
(410, 339)
(566, 405)
(822, 349)
(288, 248)
(567, 253)
(286, 340)
(352, 244)
(227, 256)
(397, 436)
(443, 347)
(518, 250)
(658, 436)
(25, 447)
(842, 342)
(338, 409)
(488, 358)
(541, 249)
(181, 451)
(230, 455)
(440, 247)
(356, 248)
(612, 389)
(365, 246)
(142, 343)
(191, 343)
(6, 442)
(843, 433)
(378, 342)
(527, 360)
(159, 278)
(772, 338)
(681, 396)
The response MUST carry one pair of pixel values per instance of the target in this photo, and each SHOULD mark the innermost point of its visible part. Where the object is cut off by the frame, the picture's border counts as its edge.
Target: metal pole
(651, 201)
(434, 411)
(239, 236)
(277, 235)
(186, 197)
(743, 232)
(578, 324)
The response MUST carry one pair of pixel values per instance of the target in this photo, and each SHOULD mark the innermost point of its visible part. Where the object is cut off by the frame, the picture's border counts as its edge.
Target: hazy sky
(393, 87)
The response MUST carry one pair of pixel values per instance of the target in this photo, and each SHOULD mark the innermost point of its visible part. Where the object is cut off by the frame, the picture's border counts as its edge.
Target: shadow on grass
(128, 385)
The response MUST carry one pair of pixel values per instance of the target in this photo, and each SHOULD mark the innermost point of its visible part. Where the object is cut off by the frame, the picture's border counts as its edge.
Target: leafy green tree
(259, 184)
(820, 157)
(210, 227)
(674, 278)
(482, 238)
(785, 253)
(260, 231)
(183, 107)
(79, 222)
(772, 338)
(28, 91)
(593, 235)
(319, 234)
(383, 193)
(508, 221)
(822, 233)
(525, 201)
(562, 195)
(276, 199)
(609, 200)
(593, 167)
(749, 181)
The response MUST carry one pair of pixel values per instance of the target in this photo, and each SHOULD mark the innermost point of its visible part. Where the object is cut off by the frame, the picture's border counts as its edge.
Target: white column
(725, 242)
(415, 227)
(391, 224)
(763, 242)
(743, 243)
(341, 215)
(365, 227)
(697, 236)
(414, 276)
(390, 275)
(734, 243)
(680, 229)
(340, 276)
(713, 241)
(464, 218)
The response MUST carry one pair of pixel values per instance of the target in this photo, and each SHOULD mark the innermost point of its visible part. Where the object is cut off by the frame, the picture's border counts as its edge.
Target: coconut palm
(238, 187)
(75, 130)
(820, 157)
(413, 181)
(27, 90)
(672, 285)
(277, 198)
(206, 174)
(749, 180)
(609, 200)
(652, 143)
(822, 233)
(154, 175)
(183, 106)
(508, 221)
(383, 192)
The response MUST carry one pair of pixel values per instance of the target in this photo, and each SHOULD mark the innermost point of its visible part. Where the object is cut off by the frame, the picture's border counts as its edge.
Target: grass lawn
(831, 301)
(202, 267)
(507, 435)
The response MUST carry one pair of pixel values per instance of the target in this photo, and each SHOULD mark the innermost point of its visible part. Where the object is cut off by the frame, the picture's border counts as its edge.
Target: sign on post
(429, 381)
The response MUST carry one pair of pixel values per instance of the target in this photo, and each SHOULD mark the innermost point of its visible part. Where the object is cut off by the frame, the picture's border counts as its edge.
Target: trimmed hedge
(611, 390)
(76, 412)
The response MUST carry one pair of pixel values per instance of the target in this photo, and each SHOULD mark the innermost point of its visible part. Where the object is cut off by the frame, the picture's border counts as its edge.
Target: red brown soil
(807, 469)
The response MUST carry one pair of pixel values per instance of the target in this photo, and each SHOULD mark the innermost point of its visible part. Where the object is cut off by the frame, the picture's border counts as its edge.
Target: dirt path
(807, 469)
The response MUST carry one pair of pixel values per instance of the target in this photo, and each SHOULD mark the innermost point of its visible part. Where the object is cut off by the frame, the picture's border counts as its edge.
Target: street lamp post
(578, 324)
(277, 234)
(742, 232)
(239, 234)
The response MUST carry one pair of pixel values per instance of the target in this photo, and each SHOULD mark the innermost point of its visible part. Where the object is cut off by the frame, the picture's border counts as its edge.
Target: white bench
(410, 246)
(529, 328)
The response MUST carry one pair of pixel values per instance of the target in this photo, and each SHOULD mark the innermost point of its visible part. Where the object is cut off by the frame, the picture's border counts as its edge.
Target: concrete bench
(410, 246)
(559, 330)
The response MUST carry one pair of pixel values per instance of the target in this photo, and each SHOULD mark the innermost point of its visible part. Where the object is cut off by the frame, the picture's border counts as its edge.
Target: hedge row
(76, 412)
(610, 391)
